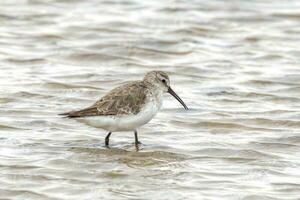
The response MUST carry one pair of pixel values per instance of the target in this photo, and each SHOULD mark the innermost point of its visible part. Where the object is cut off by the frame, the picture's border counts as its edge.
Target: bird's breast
(156, 100)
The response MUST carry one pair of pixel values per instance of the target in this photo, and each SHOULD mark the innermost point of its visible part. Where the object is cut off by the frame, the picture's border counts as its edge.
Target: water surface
(234, 63)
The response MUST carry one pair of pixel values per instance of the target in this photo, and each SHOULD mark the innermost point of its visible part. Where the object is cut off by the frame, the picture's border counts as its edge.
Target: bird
(129, 106)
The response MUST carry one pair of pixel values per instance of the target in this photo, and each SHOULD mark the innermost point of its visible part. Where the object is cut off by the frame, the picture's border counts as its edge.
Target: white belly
(125, 122)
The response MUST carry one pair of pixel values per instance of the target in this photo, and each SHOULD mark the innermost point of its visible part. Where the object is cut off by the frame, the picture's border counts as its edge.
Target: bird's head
(159, 80)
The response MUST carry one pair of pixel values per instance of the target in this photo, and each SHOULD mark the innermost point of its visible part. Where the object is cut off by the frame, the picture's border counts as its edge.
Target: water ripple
(235, 64)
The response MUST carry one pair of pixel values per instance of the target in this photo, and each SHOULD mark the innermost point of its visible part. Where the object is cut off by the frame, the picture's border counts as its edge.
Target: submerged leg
(107, 139)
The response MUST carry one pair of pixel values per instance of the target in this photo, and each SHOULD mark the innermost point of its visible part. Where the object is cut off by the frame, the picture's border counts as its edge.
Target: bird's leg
(107, 139)
(136, 139)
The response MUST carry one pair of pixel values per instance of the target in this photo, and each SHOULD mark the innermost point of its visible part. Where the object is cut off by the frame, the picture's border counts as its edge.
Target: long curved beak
(177, 97)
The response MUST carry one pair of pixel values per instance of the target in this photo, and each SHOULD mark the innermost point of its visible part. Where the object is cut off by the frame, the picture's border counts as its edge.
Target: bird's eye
(163, 80)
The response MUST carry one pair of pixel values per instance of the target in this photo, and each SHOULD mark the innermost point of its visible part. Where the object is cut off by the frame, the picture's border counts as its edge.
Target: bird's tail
(67, 114)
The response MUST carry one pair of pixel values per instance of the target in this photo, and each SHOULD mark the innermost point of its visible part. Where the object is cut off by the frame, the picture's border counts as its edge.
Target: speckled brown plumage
(123, 100)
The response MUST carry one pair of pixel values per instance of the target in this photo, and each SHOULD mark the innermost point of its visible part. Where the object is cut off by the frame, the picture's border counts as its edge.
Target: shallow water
(234, 63)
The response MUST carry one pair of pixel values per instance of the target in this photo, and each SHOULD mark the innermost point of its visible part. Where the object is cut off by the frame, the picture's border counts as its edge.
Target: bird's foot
(137, 145)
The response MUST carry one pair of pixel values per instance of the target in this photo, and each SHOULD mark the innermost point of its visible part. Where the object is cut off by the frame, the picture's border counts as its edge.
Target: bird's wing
(123, 100)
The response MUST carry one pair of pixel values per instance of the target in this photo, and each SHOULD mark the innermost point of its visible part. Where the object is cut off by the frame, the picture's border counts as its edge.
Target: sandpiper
(128, 106)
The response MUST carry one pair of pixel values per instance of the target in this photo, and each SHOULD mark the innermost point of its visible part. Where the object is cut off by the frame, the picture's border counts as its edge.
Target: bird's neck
(155, 90)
